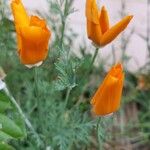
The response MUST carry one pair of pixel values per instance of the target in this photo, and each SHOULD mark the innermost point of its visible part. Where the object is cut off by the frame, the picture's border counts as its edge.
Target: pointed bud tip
(130, 17)
(119, 65)
(103, 8)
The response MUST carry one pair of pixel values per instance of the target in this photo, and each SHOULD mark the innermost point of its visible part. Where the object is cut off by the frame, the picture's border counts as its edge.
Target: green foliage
(7, 40)
(66, 71)
(4, 102)
(68, 129)
(9, 127)
(56, 96)
(11, 124)
(4, 146)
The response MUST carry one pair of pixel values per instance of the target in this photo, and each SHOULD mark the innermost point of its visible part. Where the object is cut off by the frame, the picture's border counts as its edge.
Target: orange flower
(107, 98)
(98, 28)
(32, 35)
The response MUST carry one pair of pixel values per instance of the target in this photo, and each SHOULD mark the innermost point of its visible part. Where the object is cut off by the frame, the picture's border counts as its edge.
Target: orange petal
(112, 33)
(92, 12)
(104, 20)
(36, 21)
(104, 97)
(89, 29)
(116, 71)
(34, 42)
(20, 17)
(116, 104)
(94, 99)
(94, 32)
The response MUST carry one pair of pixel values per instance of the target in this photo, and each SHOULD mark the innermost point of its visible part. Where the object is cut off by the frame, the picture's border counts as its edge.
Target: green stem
(36, 86)
(67, 97)
(29, 125)
(148, 26)
(98, 133)
(63, 20)
(62, 33)
(91, 65)
(37, 96)
(94, 57)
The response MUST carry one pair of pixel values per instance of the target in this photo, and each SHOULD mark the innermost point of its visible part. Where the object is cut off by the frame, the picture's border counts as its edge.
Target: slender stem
(91, 65)
(67, 97)
(94, 56)
(63, 20)
(148, 26)
(98, 133)
(62, 33)
(37, 96)
(36, 86)
(29, 125)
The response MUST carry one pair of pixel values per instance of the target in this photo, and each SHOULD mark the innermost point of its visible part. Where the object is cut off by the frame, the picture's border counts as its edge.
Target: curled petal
(104, 20)
(36, 21)
(89, 29)
(98, 28)
(94, 32)
(113, 32)
(92, 12)
(21, 17)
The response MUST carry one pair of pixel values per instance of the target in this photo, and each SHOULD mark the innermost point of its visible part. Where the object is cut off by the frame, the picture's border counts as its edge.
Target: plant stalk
(91, 65)
(36, 84)
(148, 26)
(98, 133)
(63, 20)
(29, 125)
(67, 97)
(94, 57)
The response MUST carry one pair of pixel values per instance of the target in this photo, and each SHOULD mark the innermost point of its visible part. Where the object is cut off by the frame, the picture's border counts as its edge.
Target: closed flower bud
(107, 98)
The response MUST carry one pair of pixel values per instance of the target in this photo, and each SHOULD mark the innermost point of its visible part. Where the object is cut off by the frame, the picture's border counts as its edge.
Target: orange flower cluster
(98, 27)
(32, 35)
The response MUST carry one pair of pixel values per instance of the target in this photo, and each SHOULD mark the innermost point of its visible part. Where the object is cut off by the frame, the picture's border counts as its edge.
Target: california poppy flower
(98, 26)
(107, 98)
(32, 35)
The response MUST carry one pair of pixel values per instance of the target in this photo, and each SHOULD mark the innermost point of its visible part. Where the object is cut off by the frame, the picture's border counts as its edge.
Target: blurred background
(129, 128)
